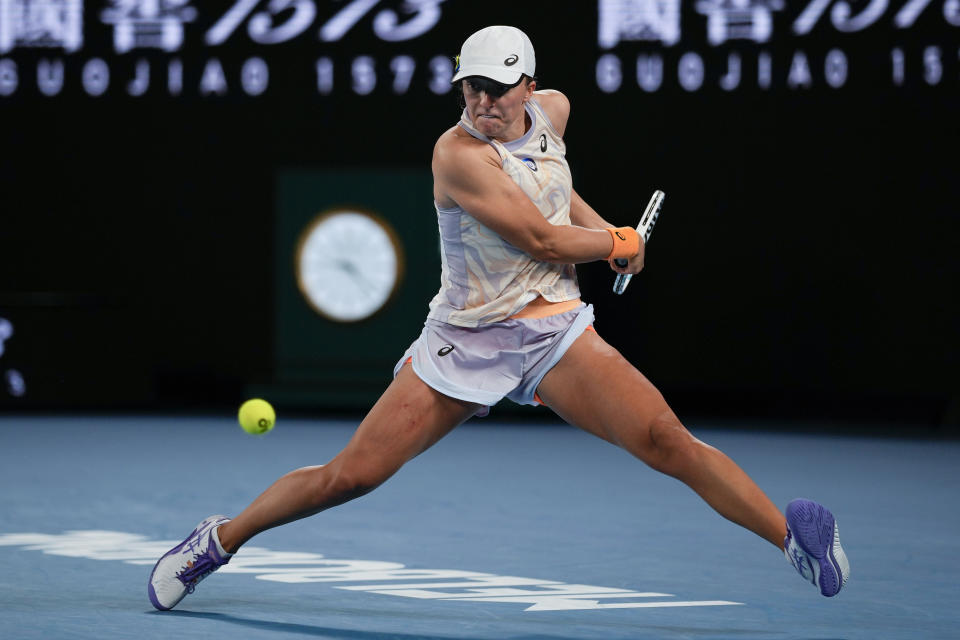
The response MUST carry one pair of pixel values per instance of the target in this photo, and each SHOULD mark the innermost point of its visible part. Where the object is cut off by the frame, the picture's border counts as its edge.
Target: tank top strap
(506, 148)
(467, 126)
(542, 115)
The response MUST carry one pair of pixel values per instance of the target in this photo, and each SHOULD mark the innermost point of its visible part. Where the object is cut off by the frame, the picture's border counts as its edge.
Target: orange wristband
(626, 242)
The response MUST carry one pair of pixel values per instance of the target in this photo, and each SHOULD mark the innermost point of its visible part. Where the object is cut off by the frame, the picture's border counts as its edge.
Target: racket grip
(620, 284)
(620, 262)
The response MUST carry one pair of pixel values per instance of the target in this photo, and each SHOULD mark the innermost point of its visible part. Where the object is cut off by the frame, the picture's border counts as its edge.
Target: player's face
(501, 117)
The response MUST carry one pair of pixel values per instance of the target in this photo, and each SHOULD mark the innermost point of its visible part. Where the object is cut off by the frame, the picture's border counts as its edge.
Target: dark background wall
(805, 264)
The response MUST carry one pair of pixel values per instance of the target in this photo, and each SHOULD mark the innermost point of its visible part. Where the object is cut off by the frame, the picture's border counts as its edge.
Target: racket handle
(645, 228)
(620, 284)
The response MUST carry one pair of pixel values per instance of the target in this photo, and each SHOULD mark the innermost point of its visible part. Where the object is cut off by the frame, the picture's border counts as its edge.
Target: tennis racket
(645, 228)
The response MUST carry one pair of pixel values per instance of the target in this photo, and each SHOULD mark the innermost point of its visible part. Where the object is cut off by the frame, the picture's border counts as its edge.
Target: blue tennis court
(534, 531)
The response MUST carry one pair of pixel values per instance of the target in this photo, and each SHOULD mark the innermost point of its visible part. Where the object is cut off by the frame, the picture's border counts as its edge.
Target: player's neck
(516, 129)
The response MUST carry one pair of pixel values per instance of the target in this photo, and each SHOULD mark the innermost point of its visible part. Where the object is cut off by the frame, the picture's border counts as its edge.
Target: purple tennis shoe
(182, 568)
(813, 546)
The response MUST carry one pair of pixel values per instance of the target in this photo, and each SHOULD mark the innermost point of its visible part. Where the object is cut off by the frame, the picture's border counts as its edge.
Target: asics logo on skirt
(447, 348)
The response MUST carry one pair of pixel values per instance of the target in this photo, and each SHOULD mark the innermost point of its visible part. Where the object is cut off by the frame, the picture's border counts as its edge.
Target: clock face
(348, 265)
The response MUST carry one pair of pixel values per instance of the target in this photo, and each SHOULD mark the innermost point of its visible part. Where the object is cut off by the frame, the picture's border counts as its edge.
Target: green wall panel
(322, 363)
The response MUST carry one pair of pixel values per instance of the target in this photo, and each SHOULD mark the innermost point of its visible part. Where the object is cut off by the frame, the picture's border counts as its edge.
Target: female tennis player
(508, 322)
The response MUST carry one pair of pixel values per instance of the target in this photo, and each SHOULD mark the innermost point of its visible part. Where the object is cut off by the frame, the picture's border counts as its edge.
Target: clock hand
(351, 270)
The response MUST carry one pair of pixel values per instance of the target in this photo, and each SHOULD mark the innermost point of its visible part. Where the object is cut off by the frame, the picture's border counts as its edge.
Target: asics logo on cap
(512, 60)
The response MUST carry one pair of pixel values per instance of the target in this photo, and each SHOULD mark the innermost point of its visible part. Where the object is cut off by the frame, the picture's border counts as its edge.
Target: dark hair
(489, 86)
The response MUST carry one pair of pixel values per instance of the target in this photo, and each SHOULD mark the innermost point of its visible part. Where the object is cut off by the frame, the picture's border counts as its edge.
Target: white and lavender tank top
(484, 278)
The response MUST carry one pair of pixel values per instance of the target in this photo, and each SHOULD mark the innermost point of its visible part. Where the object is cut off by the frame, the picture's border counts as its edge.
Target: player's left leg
(598, 390)
(595, 388)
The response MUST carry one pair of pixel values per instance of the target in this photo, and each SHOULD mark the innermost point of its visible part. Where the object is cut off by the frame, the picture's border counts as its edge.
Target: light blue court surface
(499, 532)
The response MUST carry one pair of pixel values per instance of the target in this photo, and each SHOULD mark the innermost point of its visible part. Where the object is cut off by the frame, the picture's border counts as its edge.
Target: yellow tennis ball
(257, 416)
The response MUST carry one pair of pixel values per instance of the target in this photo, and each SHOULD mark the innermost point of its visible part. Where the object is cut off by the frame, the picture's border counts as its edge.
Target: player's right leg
(408, 418)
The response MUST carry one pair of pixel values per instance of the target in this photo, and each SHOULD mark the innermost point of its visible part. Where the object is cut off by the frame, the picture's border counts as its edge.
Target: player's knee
(673, 449)
(339, 483)
(358, 482)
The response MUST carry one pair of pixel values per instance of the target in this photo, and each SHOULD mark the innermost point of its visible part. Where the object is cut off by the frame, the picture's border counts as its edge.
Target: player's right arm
(467, 171)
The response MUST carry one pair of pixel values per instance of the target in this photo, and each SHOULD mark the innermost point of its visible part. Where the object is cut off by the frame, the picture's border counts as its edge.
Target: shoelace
(203, 565)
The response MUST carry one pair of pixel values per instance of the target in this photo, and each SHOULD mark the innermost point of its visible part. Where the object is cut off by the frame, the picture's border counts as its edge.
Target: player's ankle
(224, 541)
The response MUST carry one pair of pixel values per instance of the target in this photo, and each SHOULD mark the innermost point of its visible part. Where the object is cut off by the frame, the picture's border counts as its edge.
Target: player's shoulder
(552, 97)
(456, 142)
(455, 148)
(556, 106)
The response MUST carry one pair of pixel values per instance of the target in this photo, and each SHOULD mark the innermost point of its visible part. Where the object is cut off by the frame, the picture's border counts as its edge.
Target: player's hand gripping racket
(645, 228)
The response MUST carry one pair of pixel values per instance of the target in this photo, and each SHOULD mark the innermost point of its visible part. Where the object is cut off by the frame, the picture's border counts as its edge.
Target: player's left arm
(583, 215)
(557, 107)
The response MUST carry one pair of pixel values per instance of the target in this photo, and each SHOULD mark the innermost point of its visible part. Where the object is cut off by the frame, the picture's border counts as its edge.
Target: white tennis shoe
(813, 546)
(180, 570)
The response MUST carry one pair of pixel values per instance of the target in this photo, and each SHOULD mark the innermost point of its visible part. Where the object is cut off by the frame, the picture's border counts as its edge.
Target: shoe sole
(815, 529)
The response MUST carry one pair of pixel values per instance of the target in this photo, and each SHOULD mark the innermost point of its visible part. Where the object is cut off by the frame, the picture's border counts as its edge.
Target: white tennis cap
(499, 53)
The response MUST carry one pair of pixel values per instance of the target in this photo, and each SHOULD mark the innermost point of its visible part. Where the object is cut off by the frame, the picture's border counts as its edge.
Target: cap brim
(501, 75)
